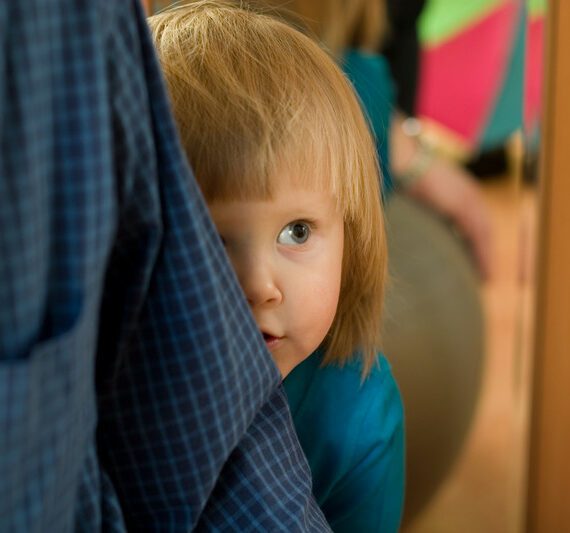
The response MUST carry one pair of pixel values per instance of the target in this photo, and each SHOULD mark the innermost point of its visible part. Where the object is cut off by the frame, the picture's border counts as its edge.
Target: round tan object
(433, 337)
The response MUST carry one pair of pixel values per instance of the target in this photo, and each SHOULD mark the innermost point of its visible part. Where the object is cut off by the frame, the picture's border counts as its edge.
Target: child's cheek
(322, 300)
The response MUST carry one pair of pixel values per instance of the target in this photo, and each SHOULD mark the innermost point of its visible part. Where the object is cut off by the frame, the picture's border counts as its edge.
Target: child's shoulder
(350, 372)
(340, 391)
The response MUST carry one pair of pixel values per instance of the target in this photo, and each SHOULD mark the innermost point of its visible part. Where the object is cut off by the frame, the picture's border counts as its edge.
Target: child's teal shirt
(352, 433)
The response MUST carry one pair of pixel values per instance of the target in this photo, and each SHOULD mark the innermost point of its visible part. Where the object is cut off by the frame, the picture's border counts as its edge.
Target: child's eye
(294, 233)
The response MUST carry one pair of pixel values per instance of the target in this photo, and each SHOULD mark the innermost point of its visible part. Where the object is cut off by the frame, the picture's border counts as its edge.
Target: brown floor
(484, 493)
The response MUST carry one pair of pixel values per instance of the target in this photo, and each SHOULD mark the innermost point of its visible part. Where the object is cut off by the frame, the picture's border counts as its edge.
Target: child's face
(287, 253)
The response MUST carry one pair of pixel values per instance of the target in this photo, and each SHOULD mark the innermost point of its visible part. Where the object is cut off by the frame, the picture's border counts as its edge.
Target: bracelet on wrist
(417, 167)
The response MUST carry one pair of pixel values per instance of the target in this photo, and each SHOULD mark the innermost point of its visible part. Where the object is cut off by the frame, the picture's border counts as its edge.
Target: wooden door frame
(548, 472)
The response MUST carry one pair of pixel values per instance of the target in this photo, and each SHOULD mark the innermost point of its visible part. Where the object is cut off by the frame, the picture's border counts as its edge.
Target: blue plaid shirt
(135, 391)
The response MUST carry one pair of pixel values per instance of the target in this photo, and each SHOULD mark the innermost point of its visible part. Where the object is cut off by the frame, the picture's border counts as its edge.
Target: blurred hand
(453, 192)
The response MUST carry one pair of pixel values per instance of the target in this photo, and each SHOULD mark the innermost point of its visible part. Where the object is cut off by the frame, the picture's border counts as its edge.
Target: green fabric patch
(536, 7)
(442, 19)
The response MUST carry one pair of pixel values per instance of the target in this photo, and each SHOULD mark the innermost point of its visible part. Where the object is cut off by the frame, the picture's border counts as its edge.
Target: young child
(286, 162)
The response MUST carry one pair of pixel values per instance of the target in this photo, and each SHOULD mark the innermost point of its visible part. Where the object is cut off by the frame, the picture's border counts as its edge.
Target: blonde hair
(252, 96)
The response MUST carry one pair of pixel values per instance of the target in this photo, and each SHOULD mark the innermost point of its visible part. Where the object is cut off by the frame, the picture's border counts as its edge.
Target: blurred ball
(434, 339)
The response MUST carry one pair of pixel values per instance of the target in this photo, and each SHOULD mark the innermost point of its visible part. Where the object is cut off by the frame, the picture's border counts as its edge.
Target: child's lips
(271, 340)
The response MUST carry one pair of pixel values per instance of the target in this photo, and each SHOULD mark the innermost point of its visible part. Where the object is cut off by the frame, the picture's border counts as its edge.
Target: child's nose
(260, 286)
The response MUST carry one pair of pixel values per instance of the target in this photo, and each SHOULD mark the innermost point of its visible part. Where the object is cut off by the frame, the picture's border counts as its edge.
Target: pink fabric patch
(533, 73)
(460, 79)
